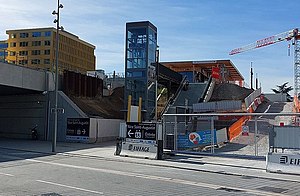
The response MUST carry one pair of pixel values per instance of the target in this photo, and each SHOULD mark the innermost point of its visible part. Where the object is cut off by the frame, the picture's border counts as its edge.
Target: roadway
(33, 173)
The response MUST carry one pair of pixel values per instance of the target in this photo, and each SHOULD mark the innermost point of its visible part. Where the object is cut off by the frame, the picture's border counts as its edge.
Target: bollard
(160, 147)
(118, 146)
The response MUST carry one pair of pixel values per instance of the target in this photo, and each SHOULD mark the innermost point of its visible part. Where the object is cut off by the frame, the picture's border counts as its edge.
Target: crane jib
(288, 35)
(265, 42)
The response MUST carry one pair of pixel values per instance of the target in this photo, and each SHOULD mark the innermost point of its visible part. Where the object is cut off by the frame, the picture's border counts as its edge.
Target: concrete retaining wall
(104, 129)
(71, 111)
(23, 77)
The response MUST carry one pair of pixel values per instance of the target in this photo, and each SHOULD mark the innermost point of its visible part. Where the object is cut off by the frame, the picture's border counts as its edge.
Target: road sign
(245, 130)
(143, 131)
(59, 110)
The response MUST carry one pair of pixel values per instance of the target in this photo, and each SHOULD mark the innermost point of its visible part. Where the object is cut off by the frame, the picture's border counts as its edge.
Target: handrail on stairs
(173, 98)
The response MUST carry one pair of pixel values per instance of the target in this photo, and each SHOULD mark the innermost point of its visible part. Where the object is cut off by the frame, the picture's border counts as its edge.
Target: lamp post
(251, 77)
(54, 136)
(156, 80)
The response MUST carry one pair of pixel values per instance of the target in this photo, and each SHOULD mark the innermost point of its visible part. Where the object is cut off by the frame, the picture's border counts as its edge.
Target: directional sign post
(140, 140)
(142, 131)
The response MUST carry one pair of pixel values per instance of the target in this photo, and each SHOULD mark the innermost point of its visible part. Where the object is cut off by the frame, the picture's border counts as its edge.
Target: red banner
(215, 72)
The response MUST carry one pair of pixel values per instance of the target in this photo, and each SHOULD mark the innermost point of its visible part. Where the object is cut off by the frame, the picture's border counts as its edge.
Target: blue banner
(194, 139)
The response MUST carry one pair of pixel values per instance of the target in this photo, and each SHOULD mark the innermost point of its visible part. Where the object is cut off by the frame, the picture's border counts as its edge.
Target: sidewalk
(206, 163)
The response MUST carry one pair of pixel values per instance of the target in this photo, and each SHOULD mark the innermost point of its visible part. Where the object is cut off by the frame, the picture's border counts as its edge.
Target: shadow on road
(15, 149)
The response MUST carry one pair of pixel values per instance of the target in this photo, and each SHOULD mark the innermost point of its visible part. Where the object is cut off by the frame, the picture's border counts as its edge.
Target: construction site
(203, 106)
(150, 98)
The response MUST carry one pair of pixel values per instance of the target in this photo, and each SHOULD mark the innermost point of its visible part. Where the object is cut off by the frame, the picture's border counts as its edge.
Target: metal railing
(173, 98)
(249, 132)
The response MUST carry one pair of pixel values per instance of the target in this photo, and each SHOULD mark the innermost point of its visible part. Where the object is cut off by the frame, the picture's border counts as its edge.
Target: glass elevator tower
(141, 44)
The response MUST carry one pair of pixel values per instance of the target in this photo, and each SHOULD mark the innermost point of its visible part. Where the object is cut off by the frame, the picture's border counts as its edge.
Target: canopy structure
(228, 69)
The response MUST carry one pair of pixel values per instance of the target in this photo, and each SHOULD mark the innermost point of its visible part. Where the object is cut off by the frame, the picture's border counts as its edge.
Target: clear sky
(187, 30)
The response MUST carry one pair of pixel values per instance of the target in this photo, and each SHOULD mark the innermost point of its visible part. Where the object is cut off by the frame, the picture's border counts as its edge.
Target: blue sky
(187, 29)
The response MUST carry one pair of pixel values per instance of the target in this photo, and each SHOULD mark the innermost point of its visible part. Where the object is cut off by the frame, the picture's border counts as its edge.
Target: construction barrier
(236, 128)
(283, 163)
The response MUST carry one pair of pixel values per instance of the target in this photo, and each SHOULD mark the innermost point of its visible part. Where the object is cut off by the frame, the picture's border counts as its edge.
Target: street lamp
(156, 81)
(59, 6)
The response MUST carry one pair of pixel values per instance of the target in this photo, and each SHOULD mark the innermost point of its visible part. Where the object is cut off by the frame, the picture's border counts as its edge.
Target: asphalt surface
(29, 168)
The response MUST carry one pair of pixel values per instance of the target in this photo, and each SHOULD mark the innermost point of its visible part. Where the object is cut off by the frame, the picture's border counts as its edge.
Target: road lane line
(159, 178)
(71, 187)
(4, 174)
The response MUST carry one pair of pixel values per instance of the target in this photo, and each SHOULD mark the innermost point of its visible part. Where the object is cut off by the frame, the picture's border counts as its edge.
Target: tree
(283, 89)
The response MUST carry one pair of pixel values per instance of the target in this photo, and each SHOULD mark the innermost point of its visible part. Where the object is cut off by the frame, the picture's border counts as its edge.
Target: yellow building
(36, 48)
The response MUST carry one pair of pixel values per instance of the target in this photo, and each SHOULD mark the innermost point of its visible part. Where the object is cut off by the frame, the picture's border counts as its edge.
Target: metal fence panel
(285, 137)
(181, 129)
(217, 106)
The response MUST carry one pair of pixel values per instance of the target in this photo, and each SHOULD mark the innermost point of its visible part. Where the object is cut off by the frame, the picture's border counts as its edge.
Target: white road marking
(4, 174)
(267, 109)
(160, 178)
(71, 187)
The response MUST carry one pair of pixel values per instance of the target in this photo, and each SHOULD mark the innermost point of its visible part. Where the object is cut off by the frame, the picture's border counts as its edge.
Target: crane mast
(291, 35)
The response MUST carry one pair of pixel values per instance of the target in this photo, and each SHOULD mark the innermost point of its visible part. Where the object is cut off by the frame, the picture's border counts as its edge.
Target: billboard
(78, 129)
(194, 139)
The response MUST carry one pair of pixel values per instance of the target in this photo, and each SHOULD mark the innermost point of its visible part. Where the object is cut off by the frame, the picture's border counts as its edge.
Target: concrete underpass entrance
(23, 101)
(20, 113)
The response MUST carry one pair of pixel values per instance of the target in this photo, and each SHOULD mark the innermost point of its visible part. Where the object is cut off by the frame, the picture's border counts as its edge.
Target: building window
(35, 61)
(36, 43)
(23, 53)
(23, 44)
(3, 45)
(12, 44)
(12, 53)
(23, 62)
(47, 43)
(47, 52)
(23, 35)
(36, 34)
(47, 33)
(35, 52)
(46, 61)
(13, 35)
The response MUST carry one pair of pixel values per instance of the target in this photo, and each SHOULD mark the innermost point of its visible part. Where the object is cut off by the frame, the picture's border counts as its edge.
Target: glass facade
(3, 45)
(3, 51)
(141, 44)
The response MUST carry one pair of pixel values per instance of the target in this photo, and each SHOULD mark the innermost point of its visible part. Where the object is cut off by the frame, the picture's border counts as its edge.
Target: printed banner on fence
(194, 139)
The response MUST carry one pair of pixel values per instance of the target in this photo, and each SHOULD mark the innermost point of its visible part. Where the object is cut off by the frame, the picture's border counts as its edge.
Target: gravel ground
(245, 145)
